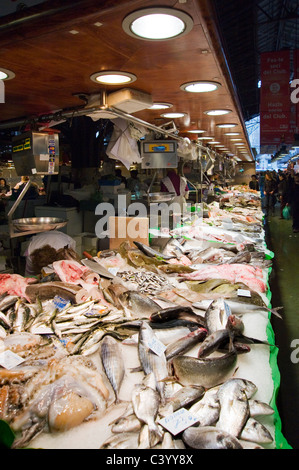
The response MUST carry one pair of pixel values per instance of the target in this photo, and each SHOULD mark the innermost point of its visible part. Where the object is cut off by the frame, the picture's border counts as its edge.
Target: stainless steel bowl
(38, 223)
(161, 197)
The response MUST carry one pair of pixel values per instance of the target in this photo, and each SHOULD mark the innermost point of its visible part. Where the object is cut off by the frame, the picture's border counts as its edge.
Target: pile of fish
(167, 329)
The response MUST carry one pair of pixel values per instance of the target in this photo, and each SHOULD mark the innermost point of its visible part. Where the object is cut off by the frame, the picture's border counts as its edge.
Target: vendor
(32, 192)
(254, 184)
(45, 248)
(174, 183)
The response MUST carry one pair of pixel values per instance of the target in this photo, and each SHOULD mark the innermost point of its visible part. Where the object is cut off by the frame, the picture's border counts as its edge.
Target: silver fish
(113, 363)
(185, 344)
(150, 361)
(146, 403)
(234, 407)
(125, 440)
(140, 305)
(240, 308)
(207, 372)
(256, 432)
(258, 408)
(216, 316)
(208, 408)
(126, 424)
(183, 397)
(208, 437)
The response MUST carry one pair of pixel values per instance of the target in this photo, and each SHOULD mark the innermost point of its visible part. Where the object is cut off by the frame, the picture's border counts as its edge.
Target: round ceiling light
(226, 125)
(109, 77)
(6, 74)
(200, 86)
(217, 112)
(157, 24)
(161, 106)
(173, 115)
(196, 131)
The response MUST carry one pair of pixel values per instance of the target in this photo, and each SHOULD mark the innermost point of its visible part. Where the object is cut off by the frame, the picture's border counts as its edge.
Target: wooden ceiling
(54, 47)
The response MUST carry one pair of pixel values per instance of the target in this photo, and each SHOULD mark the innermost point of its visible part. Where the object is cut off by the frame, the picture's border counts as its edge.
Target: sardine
(113, 363)
(185, 344)
(146, 403)
(207, 372)
(209, 437)
(7, 301)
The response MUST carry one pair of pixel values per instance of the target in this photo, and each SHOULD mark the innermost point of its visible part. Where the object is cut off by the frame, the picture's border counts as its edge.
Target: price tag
(9, 359)
(244, 293)
(178, 421)
(227, 309)
(156, 346)
(61, 303)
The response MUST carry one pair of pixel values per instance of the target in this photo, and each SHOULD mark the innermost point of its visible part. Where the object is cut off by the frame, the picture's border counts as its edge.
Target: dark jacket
(283, 188)
(269, 186)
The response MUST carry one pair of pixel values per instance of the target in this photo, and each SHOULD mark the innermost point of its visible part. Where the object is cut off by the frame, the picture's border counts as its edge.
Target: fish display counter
(169, 349)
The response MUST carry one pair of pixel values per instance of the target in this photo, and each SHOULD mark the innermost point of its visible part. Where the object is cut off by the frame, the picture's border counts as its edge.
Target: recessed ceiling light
(173, 115)
(6, 74)
(214, 143)
(217, 112)
(156, 24)
(205, 138)
(109, 77)
(232, 133)
(226, 125)
(196, 131)
(236, 140)
(161, 106)
(200, 86)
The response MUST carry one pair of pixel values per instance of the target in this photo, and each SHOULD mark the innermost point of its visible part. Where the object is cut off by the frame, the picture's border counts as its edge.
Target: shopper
(282, 192)
(254, 184)
(4, 188)
(293, 200)
(270, 188)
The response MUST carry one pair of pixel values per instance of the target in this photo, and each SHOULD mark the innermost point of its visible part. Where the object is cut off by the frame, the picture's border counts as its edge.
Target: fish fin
(136, 369)
(254, 340)
(275, 312)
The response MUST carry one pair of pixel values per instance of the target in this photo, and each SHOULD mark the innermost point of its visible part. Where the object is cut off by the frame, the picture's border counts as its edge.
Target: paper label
(156, 346)
(227, 309)
(178, 421)
(9, 359)
(244, 293)
(60, 303)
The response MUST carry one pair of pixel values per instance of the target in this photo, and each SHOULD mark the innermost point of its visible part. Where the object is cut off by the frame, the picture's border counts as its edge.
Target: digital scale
(159, 154)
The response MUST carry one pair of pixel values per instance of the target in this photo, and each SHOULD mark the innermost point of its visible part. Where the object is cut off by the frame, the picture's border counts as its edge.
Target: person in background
(119, 176)
(4, 188)
(133, 183)
(261, 180)
(293, 201)
(254, 184)
(43, 250)
(32, 192)
(282, 192)
(269, 192)
(174, 183)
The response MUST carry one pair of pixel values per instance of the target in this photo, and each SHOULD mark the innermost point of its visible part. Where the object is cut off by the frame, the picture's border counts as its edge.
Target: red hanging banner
(277, 126)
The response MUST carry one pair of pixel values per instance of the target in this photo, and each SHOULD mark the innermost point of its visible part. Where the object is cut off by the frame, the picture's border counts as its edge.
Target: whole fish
(151, 362)
(216, 316)
(148, 251)
(205, 287)
(208, 437)
(207, 372)
(256, 432)
(139, 260)
(212, 342)
(7, 301)
(146, 403)
(177, 312)
(241, 308)
(140, 305)
(208, 408)
(258, 408)
(175, 268)
(113, 363)
(186, 396)
(126, 424)
(124, 440)
(234, 407)
(185, 343)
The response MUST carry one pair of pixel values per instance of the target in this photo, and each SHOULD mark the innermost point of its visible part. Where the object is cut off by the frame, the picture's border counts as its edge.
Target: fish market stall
(148, 349)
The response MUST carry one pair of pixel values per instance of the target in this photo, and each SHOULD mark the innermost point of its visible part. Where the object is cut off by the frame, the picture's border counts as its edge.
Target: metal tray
(161, 197)
(38, 223)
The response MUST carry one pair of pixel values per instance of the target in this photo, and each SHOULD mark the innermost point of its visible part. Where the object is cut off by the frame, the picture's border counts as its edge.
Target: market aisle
(285, 291)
